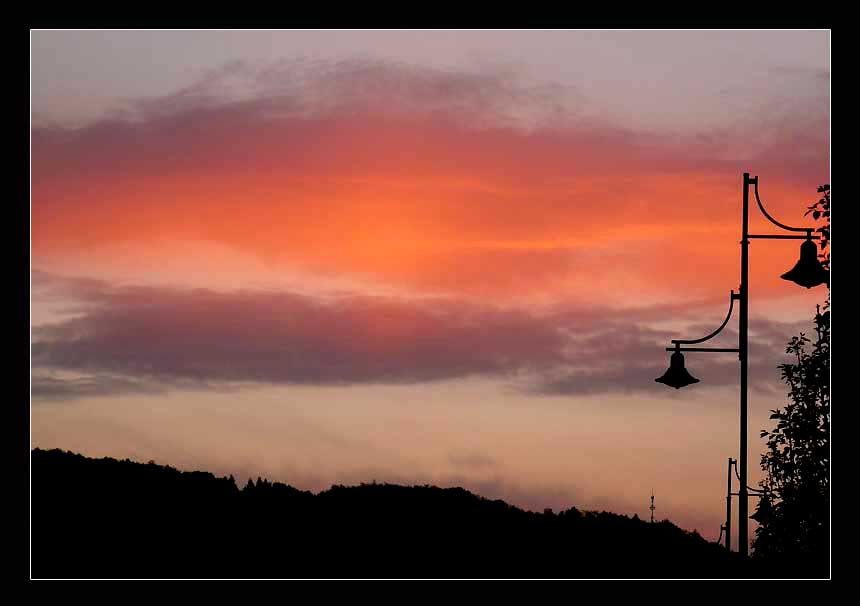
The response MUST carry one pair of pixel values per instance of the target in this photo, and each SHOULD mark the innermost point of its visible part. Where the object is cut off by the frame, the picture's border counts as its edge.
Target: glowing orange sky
(519, 215)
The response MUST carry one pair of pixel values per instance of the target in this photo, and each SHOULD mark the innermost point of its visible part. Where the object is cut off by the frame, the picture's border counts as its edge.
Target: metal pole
(743, 345)
(729, 508)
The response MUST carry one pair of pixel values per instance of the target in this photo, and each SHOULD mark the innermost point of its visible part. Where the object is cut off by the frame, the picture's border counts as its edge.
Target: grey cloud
(134, 339)
(46, 386)
(285, 338)
(296, 115)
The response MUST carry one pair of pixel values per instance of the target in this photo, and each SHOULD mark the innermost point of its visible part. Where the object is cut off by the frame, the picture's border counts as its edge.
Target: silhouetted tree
(821, 210)
(794, 513)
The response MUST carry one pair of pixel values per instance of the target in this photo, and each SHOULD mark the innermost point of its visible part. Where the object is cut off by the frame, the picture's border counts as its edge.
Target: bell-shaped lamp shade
(764, 512)
(808, 271)
(677, 375)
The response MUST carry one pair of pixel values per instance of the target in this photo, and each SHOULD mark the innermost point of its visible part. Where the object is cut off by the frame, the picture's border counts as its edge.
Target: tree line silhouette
(105, 518)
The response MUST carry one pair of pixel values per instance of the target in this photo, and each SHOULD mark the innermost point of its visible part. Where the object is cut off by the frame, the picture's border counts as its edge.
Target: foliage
(794, 513)
(821, 210)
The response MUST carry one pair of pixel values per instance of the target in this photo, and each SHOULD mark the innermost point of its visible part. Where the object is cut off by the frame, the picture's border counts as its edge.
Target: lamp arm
(756, 491)
(732, 298)
(808, 230)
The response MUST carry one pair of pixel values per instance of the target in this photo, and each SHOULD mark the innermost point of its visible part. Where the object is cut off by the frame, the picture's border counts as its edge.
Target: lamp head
(677, 375)
(808, 271)
(764, 512)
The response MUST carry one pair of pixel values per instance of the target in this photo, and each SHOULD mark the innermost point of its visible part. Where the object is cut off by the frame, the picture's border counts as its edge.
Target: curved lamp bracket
(808, 230)
(732, 298)
(756, 492)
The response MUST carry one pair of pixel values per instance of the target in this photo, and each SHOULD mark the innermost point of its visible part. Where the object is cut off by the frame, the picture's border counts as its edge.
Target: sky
(422, 257)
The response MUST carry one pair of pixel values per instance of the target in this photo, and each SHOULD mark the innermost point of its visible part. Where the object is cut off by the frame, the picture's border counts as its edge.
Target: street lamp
(807, 272)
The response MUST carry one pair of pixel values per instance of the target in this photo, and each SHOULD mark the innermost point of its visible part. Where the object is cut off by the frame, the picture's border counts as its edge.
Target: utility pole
(652, 506)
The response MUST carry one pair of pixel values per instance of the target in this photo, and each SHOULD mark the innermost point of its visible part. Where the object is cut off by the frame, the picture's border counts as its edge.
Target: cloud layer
(130, 339)
(479, 183)
(478, 186)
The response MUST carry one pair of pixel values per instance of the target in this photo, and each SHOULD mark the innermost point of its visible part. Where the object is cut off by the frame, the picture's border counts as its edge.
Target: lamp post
(807, 273)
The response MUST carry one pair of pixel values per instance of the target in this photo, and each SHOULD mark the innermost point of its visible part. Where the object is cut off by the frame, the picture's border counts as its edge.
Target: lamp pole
(807, 273)
(728, 525)
(743, 346)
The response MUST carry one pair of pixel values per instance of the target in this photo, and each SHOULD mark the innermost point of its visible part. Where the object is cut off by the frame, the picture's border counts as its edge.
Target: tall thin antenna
(652, 506)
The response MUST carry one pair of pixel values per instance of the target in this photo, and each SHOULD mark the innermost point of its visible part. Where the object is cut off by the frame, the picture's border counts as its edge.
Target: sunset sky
(422, 257)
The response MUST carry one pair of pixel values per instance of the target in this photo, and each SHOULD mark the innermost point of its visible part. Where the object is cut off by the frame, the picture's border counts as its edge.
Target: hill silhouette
(105, 518)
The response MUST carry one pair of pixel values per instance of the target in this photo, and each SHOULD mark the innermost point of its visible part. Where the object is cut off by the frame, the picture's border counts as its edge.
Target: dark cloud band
(138, 339)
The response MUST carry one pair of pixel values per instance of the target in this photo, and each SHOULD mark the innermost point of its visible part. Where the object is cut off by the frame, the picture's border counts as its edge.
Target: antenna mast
(652, 506)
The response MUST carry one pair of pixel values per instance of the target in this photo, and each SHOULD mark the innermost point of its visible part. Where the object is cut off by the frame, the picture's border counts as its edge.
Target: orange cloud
(412, 195)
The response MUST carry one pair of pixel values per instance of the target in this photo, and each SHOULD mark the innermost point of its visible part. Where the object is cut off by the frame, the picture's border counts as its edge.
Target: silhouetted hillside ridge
(109, 518)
